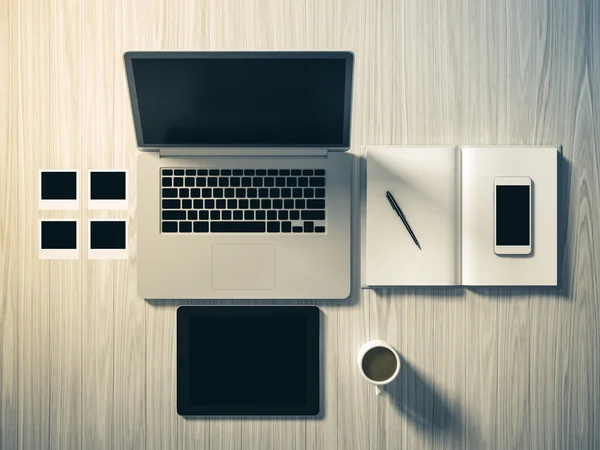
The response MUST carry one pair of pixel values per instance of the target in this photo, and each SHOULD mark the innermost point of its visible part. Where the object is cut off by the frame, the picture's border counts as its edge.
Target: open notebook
(447, 195)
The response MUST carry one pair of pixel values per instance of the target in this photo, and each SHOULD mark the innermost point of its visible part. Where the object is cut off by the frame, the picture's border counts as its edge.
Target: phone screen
(512, 215)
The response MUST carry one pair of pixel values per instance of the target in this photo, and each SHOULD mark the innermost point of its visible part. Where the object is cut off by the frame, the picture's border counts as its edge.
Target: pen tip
(419, 247)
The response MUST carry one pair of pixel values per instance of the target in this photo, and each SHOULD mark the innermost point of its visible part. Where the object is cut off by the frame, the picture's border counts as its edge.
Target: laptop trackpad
(243, 266)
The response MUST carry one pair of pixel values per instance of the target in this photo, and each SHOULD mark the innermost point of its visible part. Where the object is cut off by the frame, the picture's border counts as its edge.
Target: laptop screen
(299, 99)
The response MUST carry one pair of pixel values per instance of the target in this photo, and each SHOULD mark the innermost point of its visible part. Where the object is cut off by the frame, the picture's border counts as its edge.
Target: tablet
(248, 360)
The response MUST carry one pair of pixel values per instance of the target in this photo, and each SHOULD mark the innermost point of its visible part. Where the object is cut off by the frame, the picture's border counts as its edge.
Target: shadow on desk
(427, 409)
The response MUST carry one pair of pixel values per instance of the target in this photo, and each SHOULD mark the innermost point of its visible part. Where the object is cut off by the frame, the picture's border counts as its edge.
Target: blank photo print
(107, 239)
(59, 238)
(58, 189)
(108, 189)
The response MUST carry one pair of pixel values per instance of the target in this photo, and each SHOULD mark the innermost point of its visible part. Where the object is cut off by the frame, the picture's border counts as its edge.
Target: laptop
(243, 174)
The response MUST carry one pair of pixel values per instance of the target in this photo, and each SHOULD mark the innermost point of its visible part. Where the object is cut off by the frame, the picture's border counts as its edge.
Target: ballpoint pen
(396, 208)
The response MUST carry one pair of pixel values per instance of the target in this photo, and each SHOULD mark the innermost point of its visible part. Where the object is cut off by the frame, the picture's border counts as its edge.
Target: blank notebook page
(425, 183)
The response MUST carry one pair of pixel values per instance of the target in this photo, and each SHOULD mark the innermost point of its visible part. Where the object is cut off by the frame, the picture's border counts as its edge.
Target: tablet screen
(248, 360)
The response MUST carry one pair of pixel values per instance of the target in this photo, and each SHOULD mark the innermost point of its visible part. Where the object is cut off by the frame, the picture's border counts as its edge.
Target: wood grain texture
(86, 363)
(9, 291)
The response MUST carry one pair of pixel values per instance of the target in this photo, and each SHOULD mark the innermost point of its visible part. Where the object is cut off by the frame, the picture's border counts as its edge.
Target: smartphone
(512, 215)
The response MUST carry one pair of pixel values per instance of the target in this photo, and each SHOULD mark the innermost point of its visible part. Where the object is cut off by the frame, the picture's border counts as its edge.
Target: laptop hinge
(226, 152)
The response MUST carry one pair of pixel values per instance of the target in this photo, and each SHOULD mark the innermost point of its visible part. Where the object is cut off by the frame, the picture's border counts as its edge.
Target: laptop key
(213, 172)
(243, 204)
(257, 182)
(229, 193)
(167, 182)
(317, 181)
(192, 215)
(171, 204)
(263, 193)
(234, 182)
(283, 215)
(226, 172)
(319, 229)
(294, 215)
(224, 182)
(218, 193)
(246, 181)
(195, 193)
(269, 182)
(307, 172)
(232, 204)
(225, 215)
(185, 227)
(296, 172)
(286, 193)
(274, 192)
(300, 203)
(178, 181)
(221, 204)
(167, 171)
(249, 215)
(292, 182)
(265, 204)
(184, 192)
(273, 227)
(320, 172)
(169, 227)
(238, 172)
(207, 193)
(315, 204)
(203, 172)
(186, 204)
(251, 192)
(212, 181)
(288, 204)
(237, 227)
(174, 215)
(297, 193)
(297, 229)
(309, 227)
(261, 172)
(279, 181)
(200, 181)
(203, 215)
(248, 171)
(312, 215)
(272, 172)
(277, 204)
(255, 204)
(286, 227)
(198, 204)
(215, 214)
(260, 215)
(238, 215)
(209, 203)
(320, 193)
(189, 181)
(240, 193)
(272, 215)
(309, 192)
(302, 181)
(179, 172)
(284, 172)
(200, 227)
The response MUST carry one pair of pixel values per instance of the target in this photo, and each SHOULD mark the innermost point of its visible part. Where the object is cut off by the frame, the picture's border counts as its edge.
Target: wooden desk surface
(86, 363)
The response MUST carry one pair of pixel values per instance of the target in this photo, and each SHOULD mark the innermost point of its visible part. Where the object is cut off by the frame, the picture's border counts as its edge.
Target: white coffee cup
(376, 353)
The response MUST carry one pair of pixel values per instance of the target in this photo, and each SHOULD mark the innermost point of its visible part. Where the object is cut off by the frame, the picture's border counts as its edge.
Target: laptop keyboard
(243, 200)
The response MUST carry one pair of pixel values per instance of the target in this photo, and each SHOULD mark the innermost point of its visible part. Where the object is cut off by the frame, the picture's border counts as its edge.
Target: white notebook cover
(447, 196)
(424, 182)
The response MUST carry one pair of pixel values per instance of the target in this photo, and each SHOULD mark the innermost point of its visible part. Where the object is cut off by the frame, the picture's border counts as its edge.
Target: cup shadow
(423, 405)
